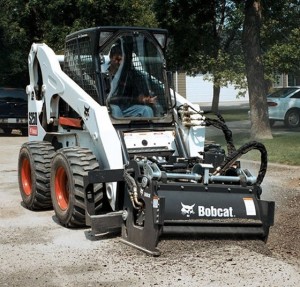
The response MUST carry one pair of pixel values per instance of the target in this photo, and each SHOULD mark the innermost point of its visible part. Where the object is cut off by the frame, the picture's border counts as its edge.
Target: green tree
(12, 61)
(260, 127)
(226, 64)
(206, 38)
(280, 35)
(192, 34)
(271, 41)
(24, 22)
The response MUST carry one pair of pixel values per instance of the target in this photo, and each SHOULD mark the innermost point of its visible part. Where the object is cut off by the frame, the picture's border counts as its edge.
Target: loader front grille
(158, 151)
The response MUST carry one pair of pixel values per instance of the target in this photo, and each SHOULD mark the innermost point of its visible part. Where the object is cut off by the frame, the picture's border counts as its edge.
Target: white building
(198, 90)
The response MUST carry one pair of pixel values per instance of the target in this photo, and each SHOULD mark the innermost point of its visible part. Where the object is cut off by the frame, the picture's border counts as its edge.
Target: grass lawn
(284, 148)
(233, 115)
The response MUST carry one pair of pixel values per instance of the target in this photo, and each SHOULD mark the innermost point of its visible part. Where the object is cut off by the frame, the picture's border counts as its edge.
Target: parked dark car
(13, 110)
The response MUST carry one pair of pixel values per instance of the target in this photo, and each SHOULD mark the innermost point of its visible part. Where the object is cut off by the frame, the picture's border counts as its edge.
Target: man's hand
(147, 100)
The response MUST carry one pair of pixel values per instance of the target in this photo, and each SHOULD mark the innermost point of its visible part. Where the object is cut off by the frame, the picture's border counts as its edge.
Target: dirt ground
(36, 251)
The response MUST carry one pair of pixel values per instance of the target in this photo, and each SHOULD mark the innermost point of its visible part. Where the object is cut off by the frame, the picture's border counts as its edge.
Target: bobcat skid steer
(113, 147)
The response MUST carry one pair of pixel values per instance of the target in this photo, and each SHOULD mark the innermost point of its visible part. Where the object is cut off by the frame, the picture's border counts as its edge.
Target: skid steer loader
(113, 147)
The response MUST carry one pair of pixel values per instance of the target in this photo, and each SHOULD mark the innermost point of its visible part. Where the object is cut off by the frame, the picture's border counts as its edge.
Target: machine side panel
(96, 118)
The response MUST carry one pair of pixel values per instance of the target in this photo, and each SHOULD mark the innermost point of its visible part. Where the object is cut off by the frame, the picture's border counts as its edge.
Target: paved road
(36, 251)
(226, 105)
(244, 127)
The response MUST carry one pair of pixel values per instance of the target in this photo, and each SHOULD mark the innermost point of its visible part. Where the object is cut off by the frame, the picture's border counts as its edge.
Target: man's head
(115, 56)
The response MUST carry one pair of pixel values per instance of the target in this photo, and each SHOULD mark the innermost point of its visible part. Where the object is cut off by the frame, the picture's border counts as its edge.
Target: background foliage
(205, 35)
(23, 22)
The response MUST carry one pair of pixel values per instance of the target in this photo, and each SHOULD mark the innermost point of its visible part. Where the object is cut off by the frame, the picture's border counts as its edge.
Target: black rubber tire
(7, 131)
(69, 166)
(272, 122)
(34, 174)
(24, 131)
(292, 118)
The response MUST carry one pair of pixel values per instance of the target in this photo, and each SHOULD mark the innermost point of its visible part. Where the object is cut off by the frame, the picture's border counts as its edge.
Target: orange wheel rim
(62, 188)
(26, 176)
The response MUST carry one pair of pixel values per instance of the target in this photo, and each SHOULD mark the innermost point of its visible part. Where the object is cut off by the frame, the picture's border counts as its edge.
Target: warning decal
(250, 206)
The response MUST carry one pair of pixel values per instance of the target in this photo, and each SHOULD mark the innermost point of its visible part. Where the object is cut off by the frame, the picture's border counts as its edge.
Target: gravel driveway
(36, 251)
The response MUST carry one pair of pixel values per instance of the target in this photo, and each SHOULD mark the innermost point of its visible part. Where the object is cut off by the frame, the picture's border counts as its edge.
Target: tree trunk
(260, 126)
(216, 98)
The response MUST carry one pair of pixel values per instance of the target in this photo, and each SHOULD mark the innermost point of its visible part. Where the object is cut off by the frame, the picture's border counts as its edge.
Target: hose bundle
(233, 153)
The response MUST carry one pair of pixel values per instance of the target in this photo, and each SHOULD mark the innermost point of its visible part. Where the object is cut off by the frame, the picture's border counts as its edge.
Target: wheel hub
(62, 188)
(26, 177)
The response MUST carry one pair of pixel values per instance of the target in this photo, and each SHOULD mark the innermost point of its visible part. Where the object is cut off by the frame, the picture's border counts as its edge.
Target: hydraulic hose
(231, 159)
(220, 124)
(132, 189)
(233, 153)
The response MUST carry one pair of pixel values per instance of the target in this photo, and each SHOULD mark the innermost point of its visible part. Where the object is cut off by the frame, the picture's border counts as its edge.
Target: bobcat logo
(86, 111)
(187, 209)
(32, 119)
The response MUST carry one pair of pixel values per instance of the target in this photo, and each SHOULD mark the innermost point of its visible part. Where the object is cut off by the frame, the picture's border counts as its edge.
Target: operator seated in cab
(130, 91)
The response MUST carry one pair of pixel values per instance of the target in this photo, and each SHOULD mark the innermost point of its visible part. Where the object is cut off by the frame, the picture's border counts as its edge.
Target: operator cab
(134, 76)
(124, 69)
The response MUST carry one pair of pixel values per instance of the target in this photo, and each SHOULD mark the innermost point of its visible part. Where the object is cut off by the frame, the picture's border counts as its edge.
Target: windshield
(13, 95)
(282, 93)
(134, 67)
